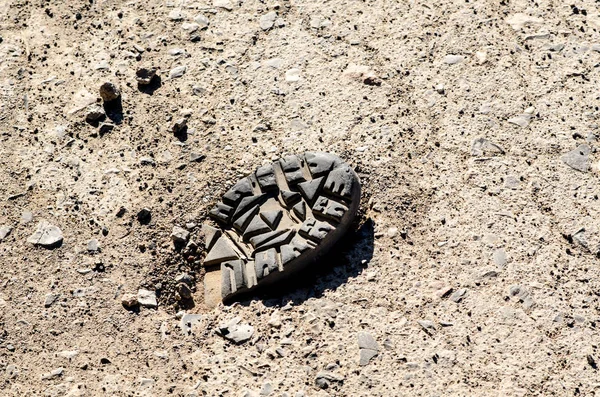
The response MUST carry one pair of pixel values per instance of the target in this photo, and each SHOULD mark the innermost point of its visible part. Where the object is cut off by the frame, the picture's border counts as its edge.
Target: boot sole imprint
(278, 220)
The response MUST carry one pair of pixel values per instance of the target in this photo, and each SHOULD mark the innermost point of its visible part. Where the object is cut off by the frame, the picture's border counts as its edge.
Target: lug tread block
(329, 208)
(315, 230)
(211, 234)
(242, 222)
(257, 226)
(277, 241)
(340, 182)
(292, 169)
(310, 189)
(248, 202)
(266, 263)
(319, 163)
(290, 197)
(233, 277)
(238, 191)
(263, 238)
(272, 218)
(265, 176)
(222, 251)
(221, 212)
(294, 249)
(300, 210)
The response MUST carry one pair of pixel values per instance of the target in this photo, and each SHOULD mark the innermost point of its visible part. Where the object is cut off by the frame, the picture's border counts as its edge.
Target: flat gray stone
(235, 331)
(177, 72)
(458, 295)
(578, 159)
(500, 257)
(46, 235)
(147, 298)
(368, 348)
(189, 321)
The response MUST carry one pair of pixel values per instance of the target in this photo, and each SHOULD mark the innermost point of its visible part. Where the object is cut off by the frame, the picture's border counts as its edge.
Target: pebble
(129, 300)
(144, 216)
(177, 72)
(179, 126)
(184, 278)
(481, 57)
(176, 15)
(184, 291)
(188, 322)
(392, 232)
(4, 232)
(95, 112)
(368, 348)
(267, 389)
(179, 235)
(196, 157)
(50, 299)
(202, 21)
(458, 295)
(482, 146)
(267, 21)
(109, 92)
(225, 4)
(453, 59)
(325, 378)
(93, 246)
(106, 128)
(147, 298)
(292, 75)
(275, 320)
(521, 120)
(46, 235)
(176, 51)
(234, 331)
(144, 76)
(12, 371)
(147, 161)
(26, 217)
(55, 373)
(578, 158)
(427, 325)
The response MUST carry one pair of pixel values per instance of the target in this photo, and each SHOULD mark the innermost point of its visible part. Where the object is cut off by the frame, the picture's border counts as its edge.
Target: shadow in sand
(347, 259)
(114, 110)
(154, 85)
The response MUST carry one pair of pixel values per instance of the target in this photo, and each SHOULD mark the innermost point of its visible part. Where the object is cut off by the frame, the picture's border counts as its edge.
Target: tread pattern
(274, 215)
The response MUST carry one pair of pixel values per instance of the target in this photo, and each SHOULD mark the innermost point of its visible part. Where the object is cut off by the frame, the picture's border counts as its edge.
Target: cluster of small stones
(274, 215)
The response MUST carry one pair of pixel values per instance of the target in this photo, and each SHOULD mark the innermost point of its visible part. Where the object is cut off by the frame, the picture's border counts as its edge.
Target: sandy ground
(473, 126)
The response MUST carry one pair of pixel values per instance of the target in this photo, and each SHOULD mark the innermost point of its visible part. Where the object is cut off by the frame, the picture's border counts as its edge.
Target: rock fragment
(368, 348)
(234, 331)
(458, 295)
(267, 20)
(578, 158)
(109, 92)
(453, 59)
(484, 147)
(50, 299)
(147, 298)
(144, 216)
(95, 112)
(46, 235)
(144, 76)
(129, 301)
(55, 373)
(176, 15)
(177, 72)
(189, 321)
(225, 4)
(4, 232)
(106, 128)
(93, 246)
(179, 235)
(325, 378)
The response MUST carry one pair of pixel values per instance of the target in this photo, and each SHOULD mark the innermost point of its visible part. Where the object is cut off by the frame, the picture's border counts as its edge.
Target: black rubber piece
(279, 220)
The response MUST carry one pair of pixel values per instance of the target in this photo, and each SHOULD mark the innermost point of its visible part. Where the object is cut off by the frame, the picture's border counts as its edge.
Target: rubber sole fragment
(278, 220)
